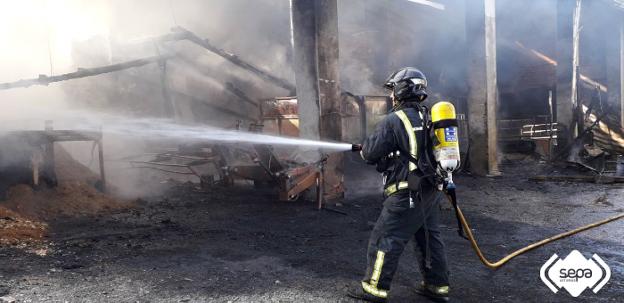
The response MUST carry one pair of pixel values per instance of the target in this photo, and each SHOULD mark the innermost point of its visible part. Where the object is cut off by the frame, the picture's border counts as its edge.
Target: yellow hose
(501, 262)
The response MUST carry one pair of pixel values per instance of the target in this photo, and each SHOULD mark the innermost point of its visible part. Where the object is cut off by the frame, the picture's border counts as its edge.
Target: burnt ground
(241, 245)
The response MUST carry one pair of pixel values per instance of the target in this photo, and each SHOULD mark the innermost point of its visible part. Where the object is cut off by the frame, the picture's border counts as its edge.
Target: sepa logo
(575, 273)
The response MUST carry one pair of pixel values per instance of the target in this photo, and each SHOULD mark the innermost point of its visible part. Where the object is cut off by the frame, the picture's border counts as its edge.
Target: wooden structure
(40, 145)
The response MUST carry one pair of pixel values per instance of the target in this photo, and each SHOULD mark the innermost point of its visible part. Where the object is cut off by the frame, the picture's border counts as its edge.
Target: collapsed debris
(69, 198)
(25, 210)
(15, 228)
(579, 178)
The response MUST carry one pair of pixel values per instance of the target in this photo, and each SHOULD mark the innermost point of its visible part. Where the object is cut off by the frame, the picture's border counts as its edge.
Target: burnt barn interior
(214, 151)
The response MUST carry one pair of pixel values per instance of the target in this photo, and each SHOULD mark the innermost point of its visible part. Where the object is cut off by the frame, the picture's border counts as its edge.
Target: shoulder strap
(413, 144)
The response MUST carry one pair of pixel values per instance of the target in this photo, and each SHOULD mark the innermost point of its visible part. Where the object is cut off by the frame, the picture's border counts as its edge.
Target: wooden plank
(82, 73)
(577, 178)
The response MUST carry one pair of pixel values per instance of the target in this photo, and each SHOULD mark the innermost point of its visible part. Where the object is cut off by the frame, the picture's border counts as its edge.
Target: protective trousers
(396, 225)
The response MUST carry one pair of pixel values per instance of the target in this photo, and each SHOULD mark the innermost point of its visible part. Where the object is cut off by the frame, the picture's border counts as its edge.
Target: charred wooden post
(169, 108)
(614, 54)
(576, 36)
(622, 73)
(315, 36)
(101, 163)
(330, 94)
(483, 95)
(49, 167)
(564, 96)
(306, 69)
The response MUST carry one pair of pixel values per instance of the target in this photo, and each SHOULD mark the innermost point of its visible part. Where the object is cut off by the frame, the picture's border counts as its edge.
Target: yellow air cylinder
(446, 148)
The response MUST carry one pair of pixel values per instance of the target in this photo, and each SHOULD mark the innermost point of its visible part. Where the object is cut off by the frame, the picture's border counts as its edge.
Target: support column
(622, 73)
(328, 69)
(306, 68)
(315, 36)
(613, 41)
(565, 70)
(329, 93)
(483, 95)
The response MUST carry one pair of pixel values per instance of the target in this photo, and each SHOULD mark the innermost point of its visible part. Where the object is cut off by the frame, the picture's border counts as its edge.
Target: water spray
(157, 128)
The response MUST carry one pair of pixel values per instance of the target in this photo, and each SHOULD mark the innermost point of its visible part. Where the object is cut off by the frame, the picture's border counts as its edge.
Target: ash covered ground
(241, 245)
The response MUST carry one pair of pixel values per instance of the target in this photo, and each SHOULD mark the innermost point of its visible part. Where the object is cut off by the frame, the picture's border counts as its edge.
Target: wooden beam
(101, 162)
(563, 95)
(482, 83)
(622, 73)
(82, 73)
(491, 86)
(576, 33)
(303, 15)
(315, 36)
(232, 58)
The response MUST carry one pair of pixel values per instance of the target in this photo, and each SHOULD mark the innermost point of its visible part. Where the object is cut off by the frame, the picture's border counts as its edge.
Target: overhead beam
(177, 34)
(180, 33)
(82, 73)
(228, 86)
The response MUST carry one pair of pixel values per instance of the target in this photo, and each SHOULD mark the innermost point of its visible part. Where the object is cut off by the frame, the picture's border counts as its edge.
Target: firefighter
(400, 147)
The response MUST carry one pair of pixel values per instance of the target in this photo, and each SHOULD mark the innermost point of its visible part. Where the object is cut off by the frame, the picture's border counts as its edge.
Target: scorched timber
(82, 73)
(180, 33)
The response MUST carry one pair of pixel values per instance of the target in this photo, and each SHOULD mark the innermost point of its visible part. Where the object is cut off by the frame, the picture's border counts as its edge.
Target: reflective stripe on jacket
(391, 135)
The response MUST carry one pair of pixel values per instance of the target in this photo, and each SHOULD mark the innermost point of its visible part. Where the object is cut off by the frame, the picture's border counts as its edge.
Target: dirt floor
(241, 245)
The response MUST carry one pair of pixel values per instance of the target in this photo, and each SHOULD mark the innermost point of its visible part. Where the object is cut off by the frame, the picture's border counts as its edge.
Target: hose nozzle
(356, 147)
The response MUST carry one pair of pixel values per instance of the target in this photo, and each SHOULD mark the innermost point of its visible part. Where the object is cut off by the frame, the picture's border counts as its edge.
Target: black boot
(434, 293)
(357, 292)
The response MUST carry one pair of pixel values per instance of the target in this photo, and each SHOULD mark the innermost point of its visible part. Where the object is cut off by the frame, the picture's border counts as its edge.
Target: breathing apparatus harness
(437, 175)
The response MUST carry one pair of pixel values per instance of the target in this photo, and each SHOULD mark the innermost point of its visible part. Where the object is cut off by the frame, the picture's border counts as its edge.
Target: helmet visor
(419, 83)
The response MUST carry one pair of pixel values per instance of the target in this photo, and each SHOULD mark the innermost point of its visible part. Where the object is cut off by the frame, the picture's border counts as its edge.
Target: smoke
(376, 38)
(379, 37)
(80, 34)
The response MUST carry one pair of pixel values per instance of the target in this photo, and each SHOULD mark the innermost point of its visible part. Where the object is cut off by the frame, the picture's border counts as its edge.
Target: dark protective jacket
(391, 139)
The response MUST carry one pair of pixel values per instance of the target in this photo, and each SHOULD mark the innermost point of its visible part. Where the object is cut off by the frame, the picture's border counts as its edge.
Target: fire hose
(446, 151)
(494, 265)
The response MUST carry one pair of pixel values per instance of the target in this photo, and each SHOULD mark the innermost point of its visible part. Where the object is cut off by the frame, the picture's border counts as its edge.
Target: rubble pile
(69, 198)
(15, 228)
(25, 210)
(68, 169)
